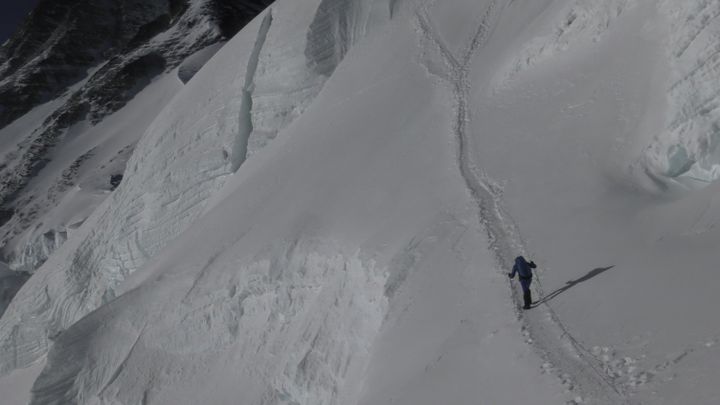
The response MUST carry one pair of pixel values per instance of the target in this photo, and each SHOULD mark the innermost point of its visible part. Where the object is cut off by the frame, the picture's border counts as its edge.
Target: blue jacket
(522, 268)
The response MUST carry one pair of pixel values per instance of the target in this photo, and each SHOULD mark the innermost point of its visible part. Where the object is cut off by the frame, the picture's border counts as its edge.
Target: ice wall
(300, 53)
(10, 283)
(688, 149)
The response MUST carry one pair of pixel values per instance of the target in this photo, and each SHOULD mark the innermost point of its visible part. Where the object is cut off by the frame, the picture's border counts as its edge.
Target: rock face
(84, 60)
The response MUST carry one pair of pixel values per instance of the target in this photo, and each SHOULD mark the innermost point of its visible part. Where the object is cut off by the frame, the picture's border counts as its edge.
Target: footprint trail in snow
(578, 369)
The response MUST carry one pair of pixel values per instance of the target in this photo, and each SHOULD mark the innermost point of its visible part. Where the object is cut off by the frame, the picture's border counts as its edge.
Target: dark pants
(527, 296)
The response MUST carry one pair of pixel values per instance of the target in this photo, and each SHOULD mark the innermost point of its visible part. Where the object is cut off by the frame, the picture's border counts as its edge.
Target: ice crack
(239, 151)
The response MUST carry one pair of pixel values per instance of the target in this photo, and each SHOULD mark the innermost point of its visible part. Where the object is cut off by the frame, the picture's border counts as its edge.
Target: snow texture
(190, 66)
(325, 210)
(86, 61)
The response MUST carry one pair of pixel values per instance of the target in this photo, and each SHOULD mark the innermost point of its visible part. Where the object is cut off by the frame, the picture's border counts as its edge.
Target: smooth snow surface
(15, 387)
(189, 68)
(326, 211)
(90, 156)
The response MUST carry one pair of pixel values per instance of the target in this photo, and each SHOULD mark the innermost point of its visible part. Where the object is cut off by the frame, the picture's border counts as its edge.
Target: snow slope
(10, 283)
(71, 66)
(284, 305)
(631, 272)
(325, 212)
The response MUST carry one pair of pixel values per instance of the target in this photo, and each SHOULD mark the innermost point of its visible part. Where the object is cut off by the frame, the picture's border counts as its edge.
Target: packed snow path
(575, 364)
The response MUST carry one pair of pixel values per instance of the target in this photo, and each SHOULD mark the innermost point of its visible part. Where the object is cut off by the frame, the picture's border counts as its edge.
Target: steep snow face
(10, 283)
(186, 154)
(86, 61)
(296, 59)
(561, 25)
(78, 176)
(687, 149)
(349, 223)
(624, 272)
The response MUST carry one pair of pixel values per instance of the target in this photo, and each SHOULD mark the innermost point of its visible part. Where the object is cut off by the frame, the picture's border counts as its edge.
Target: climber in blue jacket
(523, 268)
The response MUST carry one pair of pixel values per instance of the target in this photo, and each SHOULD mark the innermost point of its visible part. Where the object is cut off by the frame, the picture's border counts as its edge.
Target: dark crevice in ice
(239, 152)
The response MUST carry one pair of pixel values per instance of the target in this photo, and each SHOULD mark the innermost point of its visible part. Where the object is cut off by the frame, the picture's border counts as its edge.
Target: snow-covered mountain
(72, 65)
(322, 210)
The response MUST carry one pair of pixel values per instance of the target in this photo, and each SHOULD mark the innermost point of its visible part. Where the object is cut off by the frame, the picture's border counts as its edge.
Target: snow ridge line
(501, 230)
(245, 127)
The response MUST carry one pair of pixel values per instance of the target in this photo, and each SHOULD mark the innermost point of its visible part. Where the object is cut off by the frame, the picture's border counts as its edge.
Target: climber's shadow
(572, 283)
